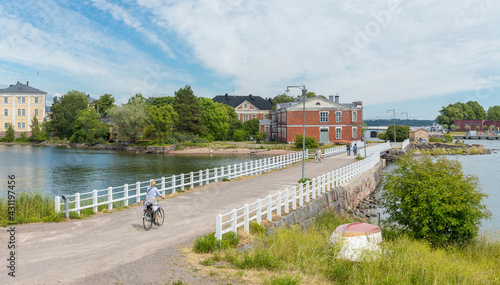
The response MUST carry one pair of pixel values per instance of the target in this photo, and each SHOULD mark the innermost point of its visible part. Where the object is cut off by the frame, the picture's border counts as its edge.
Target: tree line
(467, 111)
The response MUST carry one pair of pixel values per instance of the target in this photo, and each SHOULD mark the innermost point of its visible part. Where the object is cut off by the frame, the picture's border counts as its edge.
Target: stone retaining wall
(341, 199)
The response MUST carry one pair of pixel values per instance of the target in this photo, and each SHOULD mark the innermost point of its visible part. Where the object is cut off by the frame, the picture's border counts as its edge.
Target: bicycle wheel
(161, 216)
(147, 220)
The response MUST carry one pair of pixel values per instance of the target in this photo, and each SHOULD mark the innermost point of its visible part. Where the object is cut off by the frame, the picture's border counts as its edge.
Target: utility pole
(394, 114)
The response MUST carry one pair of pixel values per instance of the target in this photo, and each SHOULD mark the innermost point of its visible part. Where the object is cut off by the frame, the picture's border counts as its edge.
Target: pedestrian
(355, 149)
(319, 155)
(348, 149)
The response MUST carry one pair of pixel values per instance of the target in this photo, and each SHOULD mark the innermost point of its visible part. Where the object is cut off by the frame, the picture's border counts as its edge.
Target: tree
(282, 98)
(251, 126)
(401, 133)
(240, 135)
(37, 132)
(10, 133)
(434, 200)
(447, 138)
(494, 113)
(216, 118)
(478, 128)
(311, 142)
(129, 120)
(234, 122)
(64, 112)
(452, 127)
(140, 98)
(104, 103)
(445, 127)
(460, 111)
(467, 127)
(161, 101)
(88, 128)
(160, 120)
(190, 112)
(458, 128)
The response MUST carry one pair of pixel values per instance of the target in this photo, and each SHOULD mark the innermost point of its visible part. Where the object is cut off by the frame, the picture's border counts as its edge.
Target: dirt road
(114, 248)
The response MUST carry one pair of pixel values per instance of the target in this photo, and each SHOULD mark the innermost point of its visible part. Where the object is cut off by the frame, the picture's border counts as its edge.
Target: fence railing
(291, 198)
(405, 144)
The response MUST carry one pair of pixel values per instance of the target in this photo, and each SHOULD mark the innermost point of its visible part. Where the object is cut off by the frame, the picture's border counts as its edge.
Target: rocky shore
(367, 210)
(448, 147)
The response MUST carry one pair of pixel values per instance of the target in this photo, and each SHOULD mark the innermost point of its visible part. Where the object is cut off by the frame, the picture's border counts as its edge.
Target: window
(36, 100)
(354, 116)
(253, 116)
(21, 112)
(6, 100)
(338, 133)
(245, 118)
(5, 112)
(338, 117)
(21, 100)
(266, 129)
(244, 106)
(21, 125)
(354, 132)
(36, 112)
(323, 117)
(6, 125)
(318, 104)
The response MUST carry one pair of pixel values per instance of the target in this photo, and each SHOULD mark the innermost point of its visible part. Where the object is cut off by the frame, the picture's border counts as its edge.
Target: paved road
(115, 248)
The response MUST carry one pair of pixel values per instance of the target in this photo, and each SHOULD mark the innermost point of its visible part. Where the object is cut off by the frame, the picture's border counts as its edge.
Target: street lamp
(394, 114)
(304, 92)
(407, 123)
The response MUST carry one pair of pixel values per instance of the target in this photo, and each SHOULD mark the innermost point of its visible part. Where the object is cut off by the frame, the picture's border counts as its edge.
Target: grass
(30, 207)
(453, 151)
(303, 256)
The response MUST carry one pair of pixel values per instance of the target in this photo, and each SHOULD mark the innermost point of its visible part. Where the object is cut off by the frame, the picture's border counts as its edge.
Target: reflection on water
(62, 170)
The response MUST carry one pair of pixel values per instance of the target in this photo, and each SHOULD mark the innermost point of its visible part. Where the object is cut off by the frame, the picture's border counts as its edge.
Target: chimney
(330, 98)
(251, 97)
(27, 83)
(337, 98)
(227, 97)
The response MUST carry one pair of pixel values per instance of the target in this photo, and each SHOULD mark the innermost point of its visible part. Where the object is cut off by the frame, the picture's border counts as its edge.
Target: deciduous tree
(494, 113)
(64, 111)
(88, 128)
(216, 118)
(104, 103)
(129, 120)
(160, 120)
(37, 132)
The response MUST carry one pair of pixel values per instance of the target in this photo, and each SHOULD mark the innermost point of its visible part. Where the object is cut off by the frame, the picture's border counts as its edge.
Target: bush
(433, 200)
(209, 243)
(10, 133)
(311, 142)
(435, 140)
(257, 229)
(240, 135)
(448, 138)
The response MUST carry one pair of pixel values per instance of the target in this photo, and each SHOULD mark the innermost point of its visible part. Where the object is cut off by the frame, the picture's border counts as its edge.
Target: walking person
(319, 155)
(355, 149)
(348, 146)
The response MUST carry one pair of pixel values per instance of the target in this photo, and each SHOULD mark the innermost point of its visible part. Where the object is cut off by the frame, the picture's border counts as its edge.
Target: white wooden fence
(291, 198)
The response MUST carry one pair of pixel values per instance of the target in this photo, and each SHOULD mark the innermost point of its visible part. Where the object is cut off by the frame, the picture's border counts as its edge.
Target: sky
(411, 56)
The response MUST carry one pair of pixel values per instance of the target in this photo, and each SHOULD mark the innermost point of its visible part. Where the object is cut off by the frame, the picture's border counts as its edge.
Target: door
(323, 135)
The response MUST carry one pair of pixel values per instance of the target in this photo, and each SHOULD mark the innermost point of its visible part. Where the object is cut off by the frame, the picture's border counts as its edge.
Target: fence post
(286, 201)
(110, 198)
(163, 185)
(57, 203)
(125, 195)
(246, 226)
(314, 186)
(301, 195)
(320, 186)
(294, 197)
(308, 194)
(269, 209)
(173, 184)
(218, 227)
(233, 220)
(191, 180)
(77, 203)
(241, 170)
(278, 205)
(207, 174)
(94, 200)
(259, 211)
(138, 192)
(182, 182)
(201, 177)
(216, 175)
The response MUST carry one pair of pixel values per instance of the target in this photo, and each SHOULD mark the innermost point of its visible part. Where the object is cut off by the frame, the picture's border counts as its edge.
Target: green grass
(292, 250)
(30, 207)
(453, 151)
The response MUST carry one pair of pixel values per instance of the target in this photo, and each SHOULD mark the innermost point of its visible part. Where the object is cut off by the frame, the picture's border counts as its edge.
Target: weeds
(31, 207)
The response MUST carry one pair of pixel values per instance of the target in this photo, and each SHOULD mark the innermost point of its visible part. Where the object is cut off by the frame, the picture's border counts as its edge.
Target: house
(418, 134)
(475, 125)
(247, 107)
(327, 120)
(18, 104)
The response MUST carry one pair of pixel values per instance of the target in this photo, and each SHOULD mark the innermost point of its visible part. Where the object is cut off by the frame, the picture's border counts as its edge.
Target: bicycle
(149, 215)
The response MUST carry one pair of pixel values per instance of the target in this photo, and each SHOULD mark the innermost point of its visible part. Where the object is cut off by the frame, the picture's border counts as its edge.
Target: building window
(5, 112)
(6, 125)
(21, 100)
(354, 116)
(266, 129)
(253, 116)
(36, 100)
(21, 126)
(36, 112)
(244, 106)
(354, 132)
(274, 129)
(338, 133)
(338, 117)
(245, 117)
(6, 100)
(21, 112)
(323, 117)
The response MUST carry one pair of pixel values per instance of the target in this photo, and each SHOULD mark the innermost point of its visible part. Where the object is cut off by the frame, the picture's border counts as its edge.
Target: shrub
(10, 133)
(435, 140)
(205, 244)
(256, 229)
(448, 138)
(434, 200)
(311, 142)
(283, 280)
(240, 135)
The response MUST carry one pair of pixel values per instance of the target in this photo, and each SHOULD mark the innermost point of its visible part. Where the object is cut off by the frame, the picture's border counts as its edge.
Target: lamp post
(407, 123)
(304, 92)
(394, 115)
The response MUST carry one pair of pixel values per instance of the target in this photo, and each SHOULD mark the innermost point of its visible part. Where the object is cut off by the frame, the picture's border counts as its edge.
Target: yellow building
(18, 104)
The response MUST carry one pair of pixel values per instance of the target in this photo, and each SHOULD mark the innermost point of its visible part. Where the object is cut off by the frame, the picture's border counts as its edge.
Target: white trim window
(21, 126)
(354, 116)
(5, 112)
(36, 100)
(323, 117)
(21, 100)
(338, 116)
(354, 132)
(253, 116)
(36, 112)
(6, 125)
(21, 112)
(6, 100)
(338, 133)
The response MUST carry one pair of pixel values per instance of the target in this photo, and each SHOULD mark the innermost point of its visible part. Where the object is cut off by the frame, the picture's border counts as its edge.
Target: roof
(21, 88)
(318, 99)
(419, 129)
(234, 101)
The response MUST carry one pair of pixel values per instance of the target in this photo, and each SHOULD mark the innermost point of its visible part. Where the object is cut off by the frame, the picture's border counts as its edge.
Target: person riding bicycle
(151, 194)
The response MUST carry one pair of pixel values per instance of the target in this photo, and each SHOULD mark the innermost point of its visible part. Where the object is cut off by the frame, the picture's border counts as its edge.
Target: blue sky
(414, 56)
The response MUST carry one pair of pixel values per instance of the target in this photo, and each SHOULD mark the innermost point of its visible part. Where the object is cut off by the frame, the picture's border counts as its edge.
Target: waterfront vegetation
(304, 255)
(30, 207)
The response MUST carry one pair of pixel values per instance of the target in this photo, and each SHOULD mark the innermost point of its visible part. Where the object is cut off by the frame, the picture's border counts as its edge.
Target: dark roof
(234, 101)
(21, 88)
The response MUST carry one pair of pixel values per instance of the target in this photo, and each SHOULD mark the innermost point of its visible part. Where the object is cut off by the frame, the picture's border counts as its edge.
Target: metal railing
(291, 198)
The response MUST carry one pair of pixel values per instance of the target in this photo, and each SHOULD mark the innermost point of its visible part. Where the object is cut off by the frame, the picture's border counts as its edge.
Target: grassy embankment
(296, 256)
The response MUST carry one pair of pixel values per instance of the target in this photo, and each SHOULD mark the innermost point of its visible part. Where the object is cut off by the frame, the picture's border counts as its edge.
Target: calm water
(61, 170)
(487, 169)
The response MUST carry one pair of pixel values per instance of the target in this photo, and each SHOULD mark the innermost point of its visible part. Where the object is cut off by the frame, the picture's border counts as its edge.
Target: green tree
(467, 127)
(401, 133)
(260, 136)
(234, 122)
(88, 128)
(64, 112)
(129, 120)
(190, 112)
(494, 113)
(240, 135)
(452, 127)
(434, 200)
(160, 120)
(458, 128)
(311, 142)
(216, 118)
(251, 126)
(104, 103)
(140, 98)
(460, 111)
(281, 98)
(161, 101)
(447, 138)
(37, 132)
(10, 134)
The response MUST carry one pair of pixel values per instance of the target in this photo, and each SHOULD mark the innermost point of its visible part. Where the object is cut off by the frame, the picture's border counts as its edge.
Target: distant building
(474, 124)
(325, 119)
(18, 104)
(247, 107)
(419, 134)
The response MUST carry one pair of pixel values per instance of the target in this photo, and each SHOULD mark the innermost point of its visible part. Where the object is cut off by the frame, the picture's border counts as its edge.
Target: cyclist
(151, 194)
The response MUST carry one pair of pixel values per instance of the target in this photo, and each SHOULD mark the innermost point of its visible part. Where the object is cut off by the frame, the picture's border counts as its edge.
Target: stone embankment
(367, 209)
(449, 147)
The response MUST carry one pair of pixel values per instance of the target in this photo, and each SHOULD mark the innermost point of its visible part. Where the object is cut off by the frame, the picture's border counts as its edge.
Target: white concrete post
(191, 180)
(77, 203)
(321, 181)
(314, 186)
(246, 226)
(207, 175)
(163, 185)
(182, 182)
(173, 184)
(301, 195)
(294, 198)
(218, 227)
(221, 173)
(241, 170)
(233, 220)
(138, 192)
(57, 203)
(125, 195)
(259, 211)
(278, 205)
(269, 209)
(287, 210)
(110, 198)
(216, 175)
(308, 189)
(94, 200)
(201, 177)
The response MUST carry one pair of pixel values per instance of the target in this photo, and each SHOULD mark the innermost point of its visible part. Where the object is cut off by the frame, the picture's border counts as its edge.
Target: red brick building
(326, 120)
(474, 124)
